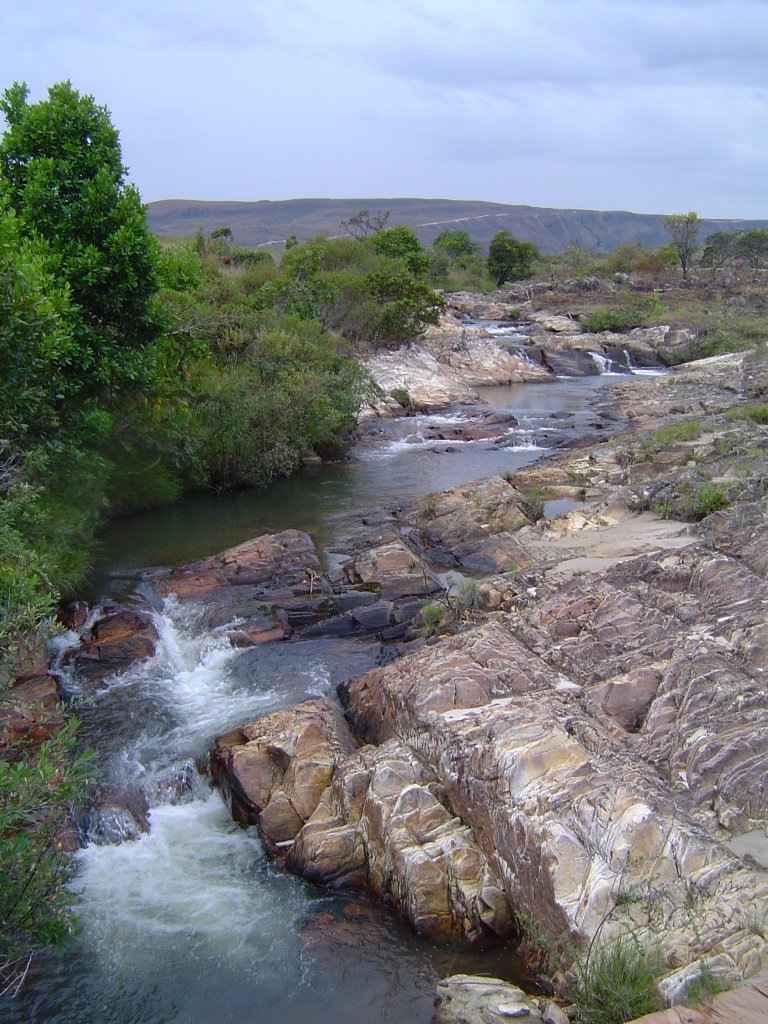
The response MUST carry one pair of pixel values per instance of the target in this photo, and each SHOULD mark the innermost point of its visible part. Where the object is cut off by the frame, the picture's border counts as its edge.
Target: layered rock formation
(589, 760)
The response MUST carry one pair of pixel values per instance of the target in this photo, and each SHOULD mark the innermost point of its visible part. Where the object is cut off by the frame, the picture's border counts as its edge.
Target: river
(191, 924)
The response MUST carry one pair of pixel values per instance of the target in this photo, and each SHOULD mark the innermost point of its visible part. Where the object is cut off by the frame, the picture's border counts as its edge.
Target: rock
(472, 526)
(382, 824)
(118, 638)
(470, 999)
(394, 570)
(373, 818)
(571, 815)
(286, 556)
(119, 814)
(273, 771)
(447, 364)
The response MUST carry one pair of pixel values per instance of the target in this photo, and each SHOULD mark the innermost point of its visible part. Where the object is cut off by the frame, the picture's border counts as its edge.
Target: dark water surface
(190, 924)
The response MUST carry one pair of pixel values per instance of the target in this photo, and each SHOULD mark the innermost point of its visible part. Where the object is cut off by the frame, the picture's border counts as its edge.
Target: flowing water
(190, 924)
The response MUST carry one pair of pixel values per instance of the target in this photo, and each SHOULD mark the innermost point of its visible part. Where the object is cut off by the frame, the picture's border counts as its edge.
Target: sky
(653, 106)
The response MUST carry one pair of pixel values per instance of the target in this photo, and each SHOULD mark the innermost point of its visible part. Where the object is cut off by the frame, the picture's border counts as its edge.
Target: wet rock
(119, 814)
(117, 639)
(273, 771)
(469, 999)
(286, 556)
(382, 823)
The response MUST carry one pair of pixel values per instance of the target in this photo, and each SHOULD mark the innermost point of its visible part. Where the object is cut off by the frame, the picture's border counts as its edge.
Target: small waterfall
(641, 371)
(605, 366)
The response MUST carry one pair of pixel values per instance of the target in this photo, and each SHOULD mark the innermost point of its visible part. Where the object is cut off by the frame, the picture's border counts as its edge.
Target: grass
(430, 618)
(469, 596)
(618, 982)
(687, 430)
(751, 413)
(621, 318)
(704, 987)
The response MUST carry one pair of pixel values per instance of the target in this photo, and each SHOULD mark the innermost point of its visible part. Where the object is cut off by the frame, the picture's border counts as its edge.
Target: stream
(190, 923)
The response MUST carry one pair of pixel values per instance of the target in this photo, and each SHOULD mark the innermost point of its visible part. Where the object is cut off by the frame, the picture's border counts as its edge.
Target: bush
(430, 618)
(468, 595)
(621, 318)
(617, 982)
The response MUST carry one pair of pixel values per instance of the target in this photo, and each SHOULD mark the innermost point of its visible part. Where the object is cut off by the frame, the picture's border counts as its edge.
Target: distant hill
(270, 222)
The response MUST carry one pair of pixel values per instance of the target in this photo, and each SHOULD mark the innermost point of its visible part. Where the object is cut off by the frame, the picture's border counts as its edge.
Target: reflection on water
(324, 500)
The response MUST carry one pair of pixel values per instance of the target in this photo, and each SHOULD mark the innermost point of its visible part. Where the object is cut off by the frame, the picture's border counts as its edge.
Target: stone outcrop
(373, 817)
(568, 809)
(473, 527)
(595, 750)
(447, 365)
(118, 637)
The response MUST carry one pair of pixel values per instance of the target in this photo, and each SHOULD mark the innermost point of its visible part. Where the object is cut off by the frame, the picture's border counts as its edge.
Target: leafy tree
(509, 258)
(61, 170)
(752, 247)
(683, 229)
(401, 243)
(37, 350)
(455, 244)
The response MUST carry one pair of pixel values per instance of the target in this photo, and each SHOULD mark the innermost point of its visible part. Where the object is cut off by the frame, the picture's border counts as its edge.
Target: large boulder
(373, 817)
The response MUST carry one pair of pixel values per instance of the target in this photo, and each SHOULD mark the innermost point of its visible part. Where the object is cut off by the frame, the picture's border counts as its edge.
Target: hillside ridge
(269, 222)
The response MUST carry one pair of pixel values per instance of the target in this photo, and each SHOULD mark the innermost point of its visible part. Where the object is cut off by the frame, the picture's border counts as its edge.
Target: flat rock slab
(745, 1005)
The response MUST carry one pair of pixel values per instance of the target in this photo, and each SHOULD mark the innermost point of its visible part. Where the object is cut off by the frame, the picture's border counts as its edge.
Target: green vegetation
(752, 413)
(617, 982)
(430, 619)
(36, 795)
(683, 430)
(129, 373)
(510, 259)
(704, 987)
(623, 317)
(467, 594)
(683, 229)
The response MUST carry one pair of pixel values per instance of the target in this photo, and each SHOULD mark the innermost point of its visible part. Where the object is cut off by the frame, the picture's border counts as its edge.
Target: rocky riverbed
(586, 756)
(565, 741)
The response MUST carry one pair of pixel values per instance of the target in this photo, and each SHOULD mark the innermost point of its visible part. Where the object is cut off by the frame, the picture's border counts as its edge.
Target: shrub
(430, 617)
(621, 318)
(468, 596)
(617, 982)
(705, 500)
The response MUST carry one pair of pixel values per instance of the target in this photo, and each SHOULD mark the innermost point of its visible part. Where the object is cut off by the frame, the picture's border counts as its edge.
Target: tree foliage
(683, 230)
(62, 173)
(509, 258)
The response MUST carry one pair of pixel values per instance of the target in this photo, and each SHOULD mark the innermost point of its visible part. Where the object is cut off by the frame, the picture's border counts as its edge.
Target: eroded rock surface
(373, 817)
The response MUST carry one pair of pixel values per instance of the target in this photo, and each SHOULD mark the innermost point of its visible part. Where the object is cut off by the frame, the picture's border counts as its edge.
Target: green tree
(61, 170)
(683, 230)
(400, 243)
(37, 350)
(509, 258)
(455, 244)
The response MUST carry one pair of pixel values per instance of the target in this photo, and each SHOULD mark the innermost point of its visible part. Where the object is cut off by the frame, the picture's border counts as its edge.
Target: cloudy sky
(645, 105)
